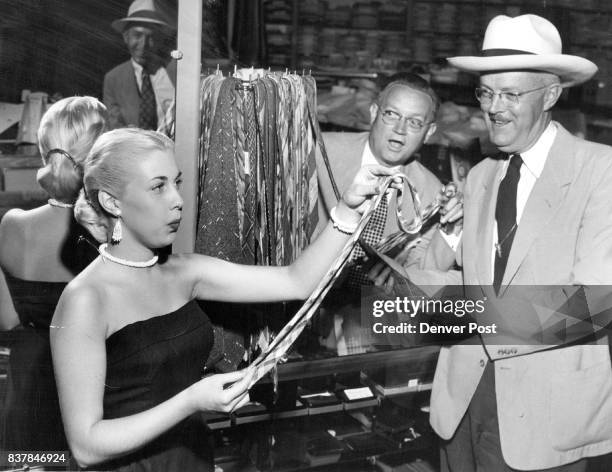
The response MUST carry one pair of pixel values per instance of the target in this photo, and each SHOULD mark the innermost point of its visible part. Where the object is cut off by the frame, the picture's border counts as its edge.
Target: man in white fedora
(541, 214)
(140, 91)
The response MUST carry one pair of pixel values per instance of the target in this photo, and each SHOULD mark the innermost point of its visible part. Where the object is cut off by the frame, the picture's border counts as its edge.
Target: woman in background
(39, 254)
(131, 341)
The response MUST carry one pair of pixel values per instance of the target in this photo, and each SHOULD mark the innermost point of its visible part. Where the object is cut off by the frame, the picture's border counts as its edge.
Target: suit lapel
(346, 168)
(545, 199)
(485, 224)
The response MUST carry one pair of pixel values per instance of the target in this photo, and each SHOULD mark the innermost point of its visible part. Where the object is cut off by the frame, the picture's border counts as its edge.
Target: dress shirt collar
(535, 157)
(137, 68)
(367, 158)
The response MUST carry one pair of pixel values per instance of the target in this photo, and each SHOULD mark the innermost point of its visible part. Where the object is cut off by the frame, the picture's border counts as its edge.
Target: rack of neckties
(258, 190)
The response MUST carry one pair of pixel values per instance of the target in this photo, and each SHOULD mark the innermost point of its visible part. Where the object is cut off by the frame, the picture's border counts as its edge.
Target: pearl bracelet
(340, 225)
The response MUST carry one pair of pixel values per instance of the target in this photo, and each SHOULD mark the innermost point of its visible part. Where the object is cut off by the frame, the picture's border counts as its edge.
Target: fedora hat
(142, 11)
(526, 42)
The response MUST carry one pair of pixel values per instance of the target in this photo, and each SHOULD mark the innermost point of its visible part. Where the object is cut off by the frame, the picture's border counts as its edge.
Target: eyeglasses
(485, 95)
(391, 118)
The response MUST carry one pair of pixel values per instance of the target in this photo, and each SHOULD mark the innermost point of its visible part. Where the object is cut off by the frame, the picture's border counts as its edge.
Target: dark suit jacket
(121, 94)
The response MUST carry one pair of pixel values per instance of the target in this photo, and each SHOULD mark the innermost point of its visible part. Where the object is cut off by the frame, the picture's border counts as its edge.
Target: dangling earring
(117, 232)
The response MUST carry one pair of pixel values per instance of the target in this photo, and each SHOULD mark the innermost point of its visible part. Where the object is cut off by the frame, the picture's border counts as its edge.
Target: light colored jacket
(554, 407)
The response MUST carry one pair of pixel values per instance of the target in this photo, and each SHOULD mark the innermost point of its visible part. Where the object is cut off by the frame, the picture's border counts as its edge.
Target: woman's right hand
(221, 392)
(366, 183)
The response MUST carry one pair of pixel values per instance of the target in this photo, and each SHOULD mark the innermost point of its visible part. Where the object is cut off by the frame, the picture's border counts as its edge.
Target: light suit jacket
(345, 151)
(554, 407)
(121, 95)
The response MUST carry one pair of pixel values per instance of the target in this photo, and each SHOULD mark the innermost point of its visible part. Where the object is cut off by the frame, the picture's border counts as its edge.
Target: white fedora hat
(142, 11)
(526, 42)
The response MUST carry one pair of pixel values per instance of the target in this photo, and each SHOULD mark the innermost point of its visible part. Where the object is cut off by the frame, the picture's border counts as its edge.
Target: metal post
(187, 130)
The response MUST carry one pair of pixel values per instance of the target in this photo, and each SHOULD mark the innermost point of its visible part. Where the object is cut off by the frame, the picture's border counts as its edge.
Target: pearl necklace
(117, 260)
(54, 203)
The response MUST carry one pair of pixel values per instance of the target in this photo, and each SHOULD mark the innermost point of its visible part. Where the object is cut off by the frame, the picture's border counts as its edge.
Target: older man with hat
(537, 215)
(140, 91)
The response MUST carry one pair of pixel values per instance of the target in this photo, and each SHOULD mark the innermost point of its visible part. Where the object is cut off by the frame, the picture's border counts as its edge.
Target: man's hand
(451, 209)
(381, 273)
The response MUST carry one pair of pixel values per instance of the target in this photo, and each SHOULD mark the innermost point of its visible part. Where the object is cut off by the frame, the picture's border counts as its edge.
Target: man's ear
(109, 203)
(373, 112)
(552, 96)
(430, 131)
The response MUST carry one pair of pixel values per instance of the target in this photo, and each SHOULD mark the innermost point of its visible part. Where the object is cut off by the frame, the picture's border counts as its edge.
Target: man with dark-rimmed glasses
(402, 119)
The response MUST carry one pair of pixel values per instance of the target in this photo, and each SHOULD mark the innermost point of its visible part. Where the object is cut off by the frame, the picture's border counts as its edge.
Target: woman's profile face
(151, 204)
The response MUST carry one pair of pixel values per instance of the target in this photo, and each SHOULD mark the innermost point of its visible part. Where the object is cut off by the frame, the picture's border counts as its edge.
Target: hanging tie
(372, 235)
(505, 215)
(147, 112)
(285, 338)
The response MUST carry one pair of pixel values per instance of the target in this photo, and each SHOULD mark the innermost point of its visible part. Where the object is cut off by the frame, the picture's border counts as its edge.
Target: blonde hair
(70, 126)
(107, 168)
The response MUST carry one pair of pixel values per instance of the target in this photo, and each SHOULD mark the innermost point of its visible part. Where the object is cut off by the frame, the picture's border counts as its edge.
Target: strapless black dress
(148, 362)
(32, 419)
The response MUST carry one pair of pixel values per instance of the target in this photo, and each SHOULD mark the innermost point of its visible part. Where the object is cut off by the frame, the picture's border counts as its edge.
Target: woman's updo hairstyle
(108, 167)
(66, 133)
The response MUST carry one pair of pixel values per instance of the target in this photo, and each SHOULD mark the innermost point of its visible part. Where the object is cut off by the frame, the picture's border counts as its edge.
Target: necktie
(147, 112)
(505, 215)
(290, 332)
(372, 235)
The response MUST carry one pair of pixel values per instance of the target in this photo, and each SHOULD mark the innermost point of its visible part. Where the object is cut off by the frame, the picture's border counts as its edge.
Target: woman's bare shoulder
(12, 221)
(19, 228)
(12, 235)
(16, 218)
(82, 303)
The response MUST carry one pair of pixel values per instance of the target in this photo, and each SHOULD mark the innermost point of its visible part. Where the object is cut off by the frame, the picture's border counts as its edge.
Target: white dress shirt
(367, 158)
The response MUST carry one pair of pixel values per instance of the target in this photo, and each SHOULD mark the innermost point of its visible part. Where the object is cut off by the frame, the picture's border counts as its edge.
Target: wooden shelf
(364, 30)
(356, 74)
(446, 33)
(597, 11)
(591, 45)
(17, 161)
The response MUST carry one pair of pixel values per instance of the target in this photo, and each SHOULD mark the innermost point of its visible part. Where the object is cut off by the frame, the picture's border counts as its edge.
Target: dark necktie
(505, 215)
(147, 113)
(372, 234)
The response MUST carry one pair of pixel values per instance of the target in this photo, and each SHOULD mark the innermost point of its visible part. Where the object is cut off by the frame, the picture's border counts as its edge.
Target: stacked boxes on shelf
(278, 15)
(359, 35)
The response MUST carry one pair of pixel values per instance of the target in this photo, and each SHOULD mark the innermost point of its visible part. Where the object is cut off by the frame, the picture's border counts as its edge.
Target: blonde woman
(130, 340)
(39, 254)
